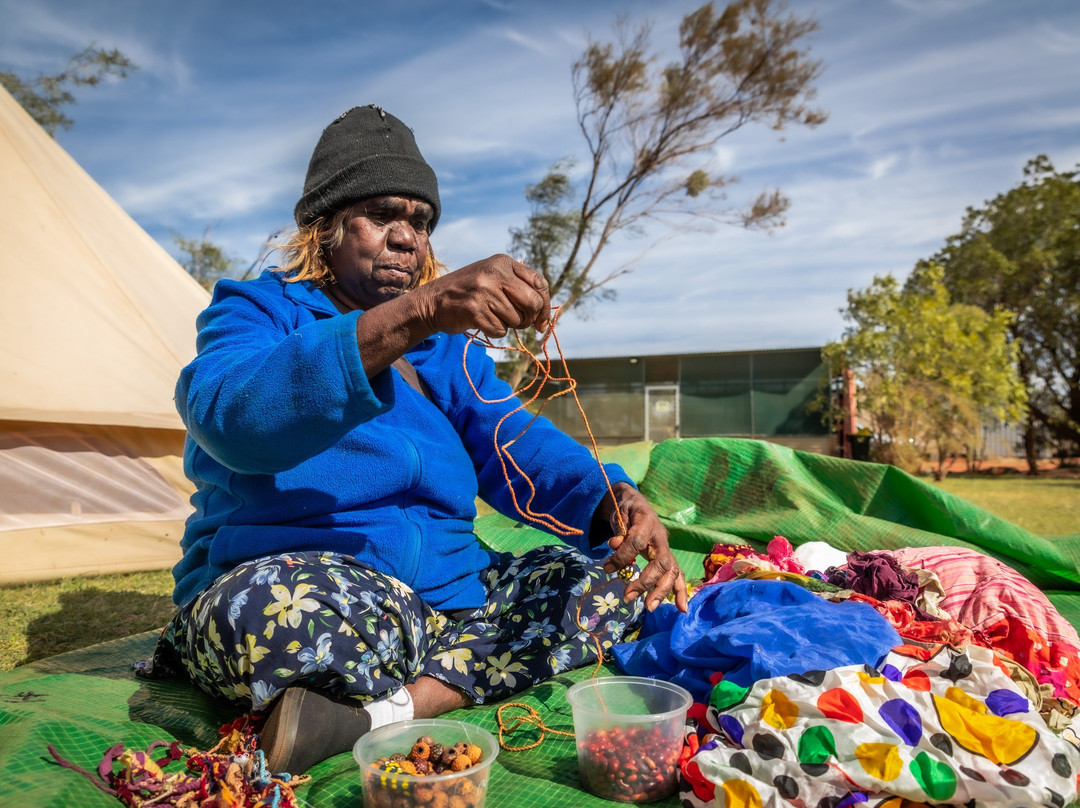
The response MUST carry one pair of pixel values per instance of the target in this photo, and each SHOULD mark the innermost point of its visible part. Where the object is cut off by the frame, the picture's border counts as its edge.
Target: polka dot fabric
(937, 726)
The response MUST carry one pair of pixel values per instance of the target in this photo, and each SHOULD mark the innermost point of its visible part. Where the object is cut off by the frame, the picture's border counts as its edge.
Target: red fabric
(1057, 664)
(704, 789)
(1006, 611)
(719, 564)
(905, 620)
(840, 705)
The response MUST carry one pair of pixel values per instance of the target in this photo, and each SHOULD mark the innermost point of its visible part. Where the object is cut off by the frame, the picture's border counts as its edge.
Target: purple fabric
(879, 576)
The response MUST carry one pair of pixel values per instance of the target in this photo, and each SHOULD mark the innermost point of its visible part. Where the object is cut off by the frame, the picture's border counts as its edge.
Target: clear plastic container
(629, 733)
(384, 789)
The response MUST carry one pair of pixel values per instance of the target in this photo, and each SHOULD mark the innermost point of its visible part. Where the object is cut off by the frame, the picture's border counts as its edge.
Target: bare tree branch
(650, 130)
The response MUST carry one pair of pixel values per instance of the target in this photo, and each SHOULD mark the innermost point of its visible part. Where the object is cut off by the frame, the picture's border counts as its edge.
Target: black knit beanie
(366, 152)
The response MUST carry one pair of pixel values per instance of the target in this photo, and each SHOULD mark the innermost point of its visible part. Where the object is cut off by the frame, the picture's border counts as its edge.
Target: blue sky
(934, 105)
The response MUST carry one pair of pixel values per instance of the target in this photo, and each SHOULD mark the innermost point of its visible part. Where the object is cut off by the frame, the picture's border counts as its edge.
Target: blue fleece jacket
(292, 447)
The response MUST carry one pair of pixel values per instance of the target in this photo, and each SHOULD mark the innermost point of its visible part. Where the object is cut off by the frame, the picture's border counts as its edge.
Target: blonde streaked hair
(306, 249)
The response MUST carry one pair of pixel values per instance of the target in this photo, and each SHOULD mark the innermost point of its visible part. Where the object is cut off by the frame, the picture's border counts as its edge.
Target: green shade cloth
(705, 490)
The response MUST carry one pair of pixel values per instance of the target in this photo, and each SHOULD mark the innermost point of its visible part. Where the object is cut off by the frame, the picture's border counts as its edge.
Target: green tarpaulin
(705, 490)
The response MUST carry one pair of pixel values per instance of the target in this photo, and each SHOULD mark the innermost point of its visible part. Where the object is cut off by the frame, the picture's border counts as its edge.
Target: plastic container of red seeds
(387, 786)
(629, 733)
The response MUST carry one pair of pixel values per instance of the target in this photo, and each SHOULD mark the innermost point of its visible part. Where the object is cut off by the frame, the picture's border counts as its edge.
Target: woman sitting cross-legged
(330, 576)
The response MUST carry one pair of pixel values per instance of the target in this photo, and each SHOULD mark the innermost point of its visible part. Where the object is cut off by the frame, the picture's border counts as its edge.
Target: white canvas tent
(96, 321)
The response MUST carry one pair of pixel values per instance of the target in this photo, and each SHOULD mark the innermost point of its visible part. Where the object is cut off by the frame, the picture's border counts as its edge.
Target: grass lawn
(42, 619)
(1043, 505)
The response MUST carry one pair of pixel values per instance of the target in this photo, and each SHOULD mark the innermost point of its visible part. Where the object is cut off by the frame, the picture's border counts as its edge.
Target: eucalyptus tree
(650, 132)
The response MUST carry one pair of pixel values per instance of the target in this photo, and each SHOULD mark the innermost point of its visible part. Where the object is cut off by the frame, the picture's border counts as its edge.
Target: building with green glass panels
(755, 394)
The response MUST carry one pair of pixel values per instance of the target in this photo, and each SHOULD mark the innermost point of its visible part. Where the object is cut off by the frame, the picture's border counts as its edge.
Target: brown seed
(420, 751)
(467, 789)
(474, 752)
(461, 763)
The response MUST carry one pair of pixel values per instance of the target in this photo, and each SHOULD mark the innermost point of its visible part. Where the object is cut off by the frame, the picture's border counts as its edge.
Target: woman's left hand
(644, 537)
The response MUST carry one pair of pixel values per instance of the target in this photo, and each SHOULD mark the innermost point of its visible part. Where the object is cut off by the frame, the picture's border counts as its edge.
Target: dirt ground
(997, 466)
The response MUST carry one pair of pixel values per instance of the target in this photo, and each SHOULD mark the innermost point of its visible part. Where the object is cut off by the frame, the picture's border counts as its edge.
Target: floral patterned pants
(325, 620)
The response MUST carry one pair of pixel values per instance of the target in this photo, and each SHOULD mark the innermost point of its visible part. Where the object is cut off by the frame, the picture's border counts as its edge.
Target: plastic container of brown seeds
(386, 788)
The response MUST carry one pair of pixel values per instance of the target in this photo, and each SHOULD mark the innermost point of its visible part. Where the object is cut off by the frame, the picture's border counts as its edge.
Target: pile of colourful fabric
(924, 676)
(231, 775)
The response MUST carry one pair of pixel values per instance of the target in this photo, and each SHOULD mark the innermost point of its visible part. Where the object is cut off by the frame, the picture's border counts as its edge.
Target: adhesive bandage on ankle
(398, 706)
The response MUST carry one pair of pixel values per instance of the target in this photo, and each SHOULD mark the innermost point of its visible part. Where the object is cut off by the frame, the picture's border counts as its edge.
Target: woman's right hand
(493, 296)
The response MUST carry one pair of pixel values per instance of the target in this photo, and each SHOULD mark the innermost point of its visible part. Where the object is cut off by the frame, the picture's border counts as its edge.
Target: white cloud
(934, 106)
(882, 166)
(36, 34)
(41, 39)
(214, 176)
(724, 157)
(937, 8)
(1057, 39)
(518, 38)
(461, 241)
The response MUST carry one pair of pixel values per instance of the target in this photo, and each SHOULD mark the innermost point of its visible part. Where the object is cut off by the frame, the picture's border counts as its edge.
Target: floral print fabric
(325, 620)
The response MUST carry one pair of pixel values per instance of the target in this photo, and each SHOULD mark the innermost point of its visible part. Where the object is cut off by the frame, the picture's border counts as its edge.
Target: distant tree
(45, 97)
(929, 372)
(1021, 252)
(650, 133)
(204, 260)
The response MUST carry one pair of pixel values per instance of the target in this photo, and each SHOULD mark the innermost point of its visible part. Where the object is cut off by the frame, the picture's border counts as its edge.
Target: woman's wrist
(385, 332)
(608, 507)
